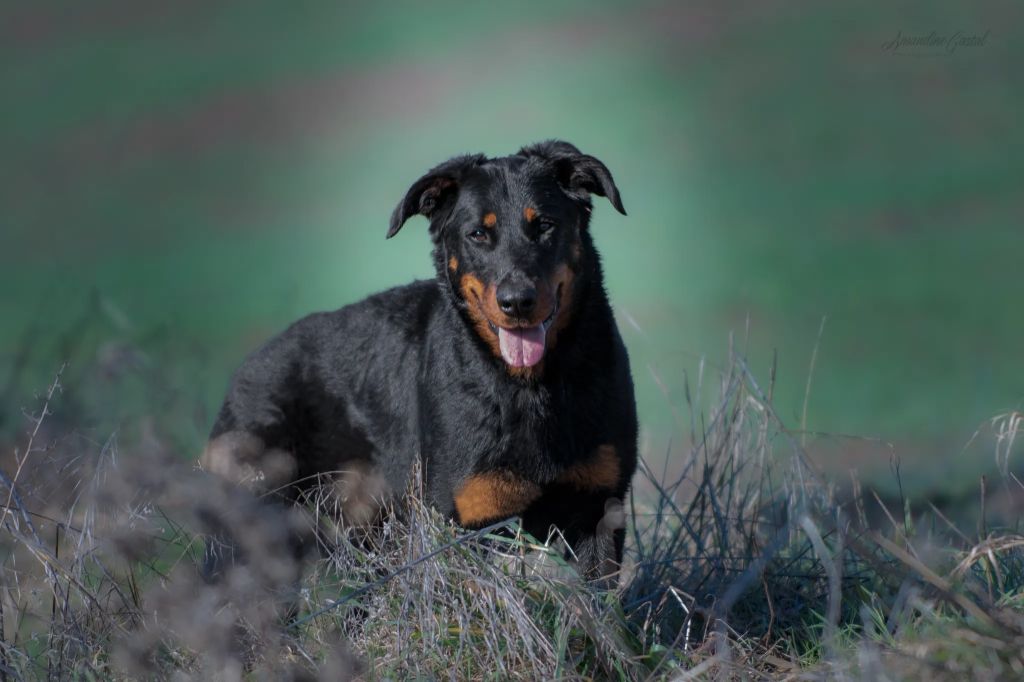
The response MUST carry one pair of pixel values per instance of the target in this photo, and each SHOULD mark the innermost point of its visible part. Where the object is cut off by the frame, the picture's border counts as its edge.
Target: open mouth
(524, 346)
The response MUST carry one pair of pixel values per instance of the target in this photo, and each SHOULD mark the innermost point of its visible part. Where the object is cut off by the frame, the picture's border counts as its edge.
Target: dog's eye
(547, 225)
(478, 235)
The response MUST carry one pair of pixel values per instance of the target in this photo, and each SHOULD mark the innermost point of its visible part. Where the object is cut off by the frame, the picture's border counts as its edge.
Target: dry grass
(742, 563)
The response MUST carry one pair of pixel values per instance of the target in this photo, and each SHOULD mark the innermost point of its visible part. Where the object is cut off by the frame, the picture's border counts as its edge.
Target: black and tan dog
(506, 375)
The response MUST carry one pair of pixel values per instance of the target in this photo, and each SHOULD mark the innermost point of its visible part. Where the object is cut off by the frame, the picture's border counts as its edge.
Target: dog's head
(510, 239)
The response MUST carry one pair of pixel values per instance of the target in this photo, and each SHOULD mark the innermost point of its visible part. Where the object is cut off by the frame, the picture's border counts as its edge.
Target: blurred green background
(178, 181)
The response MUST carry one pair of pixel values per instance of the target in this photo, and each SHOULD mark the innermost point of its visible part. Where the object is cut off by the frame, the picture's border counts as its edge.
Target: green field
(191, 178)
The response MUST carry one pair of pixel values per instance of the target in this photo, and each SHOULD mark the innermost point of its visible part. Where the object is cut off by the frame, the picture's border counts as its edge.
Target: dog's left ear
(580, 174)
(434, 191)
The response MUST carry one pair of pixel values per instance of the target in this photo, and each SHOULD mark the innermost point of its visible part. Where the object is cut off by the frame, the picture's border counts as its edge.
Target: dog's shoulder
(394, 319)
(408, 309)
(325, 355)
(402, 311)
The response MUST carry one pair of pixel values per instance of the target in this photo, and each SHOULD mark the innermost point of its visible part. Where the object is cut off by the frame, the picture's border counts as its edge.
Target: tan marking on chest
(493, 496)
(480, 300)
(600, 472)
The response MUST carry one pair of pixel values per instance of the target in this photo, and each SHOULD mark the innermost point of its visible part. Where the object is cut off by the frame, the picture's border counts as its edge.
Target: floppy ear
(433, 191)
(578, 173)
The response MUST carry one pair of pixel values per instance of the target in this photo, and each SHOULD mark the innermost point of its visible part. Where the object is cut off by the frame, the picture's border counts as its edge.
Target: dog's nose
(517, 299)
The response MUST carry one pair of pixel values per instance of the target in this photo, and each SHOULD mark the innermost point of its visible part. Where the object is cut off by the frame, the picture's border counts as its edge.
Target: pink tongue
(522, 347)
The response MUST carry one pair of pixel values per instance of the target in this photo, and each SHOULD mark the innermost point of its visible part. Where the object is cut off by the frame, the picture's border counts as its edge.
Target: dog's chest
(537, 433)
(500, 493)
(541, 447)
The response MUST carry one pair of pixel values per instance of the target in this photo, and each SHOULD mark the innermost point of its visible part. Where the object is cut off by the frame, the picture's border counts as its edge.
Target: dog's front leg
(598, 547)
(593, 526)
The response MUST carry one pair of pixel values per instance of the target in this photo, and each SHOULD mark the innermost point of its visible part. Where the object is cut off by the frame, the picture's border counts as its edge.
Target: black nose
(517, 299)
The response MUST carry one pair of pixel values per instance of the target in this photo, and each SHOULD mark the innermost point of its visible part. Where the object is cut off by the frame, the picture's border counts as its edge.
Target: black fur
(414, 371)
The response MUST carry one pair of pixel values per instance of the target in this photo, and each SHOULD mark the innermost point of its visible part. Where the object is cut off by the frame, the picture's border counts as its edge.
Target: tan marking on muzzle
(576, 251)
(562, 282)
(482, 303)
(477, 294)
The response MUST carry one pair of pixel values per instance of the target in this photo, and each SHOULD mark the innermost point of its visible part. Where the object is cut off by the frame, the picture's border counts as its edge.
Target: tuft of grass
(740, 562)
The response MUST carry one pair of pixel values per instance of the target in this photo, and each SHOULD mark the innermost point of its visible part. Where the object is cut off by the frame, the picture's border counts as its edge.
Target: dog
(505, 375)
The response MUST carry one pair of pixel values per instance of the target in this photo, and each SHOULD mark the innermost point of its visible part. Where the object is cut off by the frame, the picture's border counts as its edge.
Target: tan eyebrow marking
(530, 213)
(490, 220)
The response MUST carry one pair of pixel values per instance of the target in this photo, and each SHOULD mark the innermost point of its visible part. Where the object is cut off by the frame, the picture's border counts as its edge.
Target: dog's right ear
(579, 174)
(433, 191)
